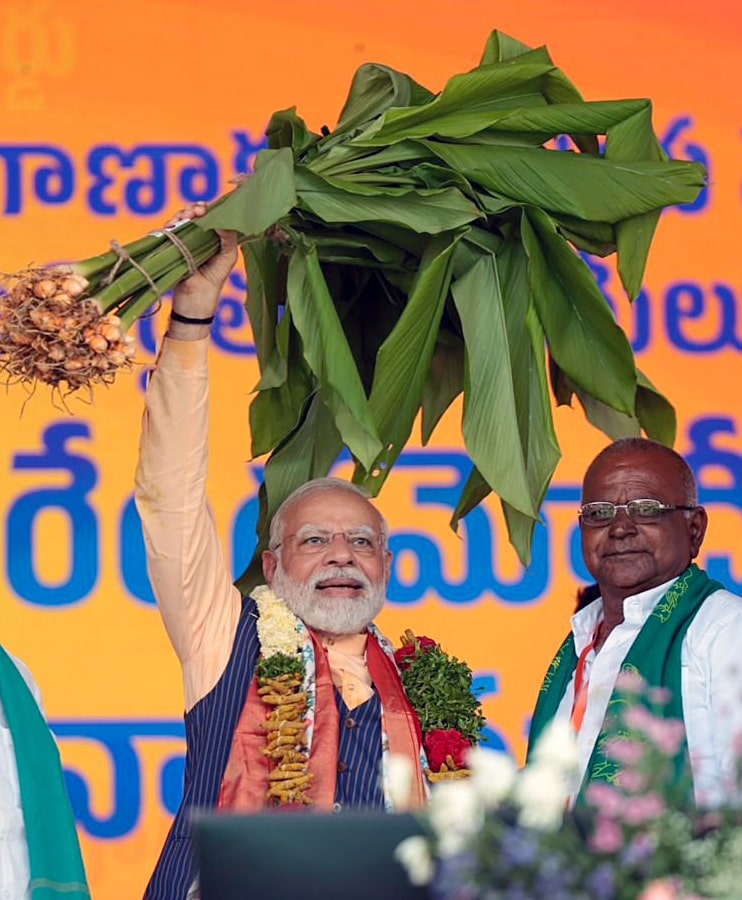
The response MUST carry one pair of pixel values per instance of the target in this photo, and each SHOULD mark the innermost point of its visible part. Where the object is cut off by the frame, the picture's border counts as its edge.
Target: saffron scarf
(245, 779)
(655, 655)
(53, 848)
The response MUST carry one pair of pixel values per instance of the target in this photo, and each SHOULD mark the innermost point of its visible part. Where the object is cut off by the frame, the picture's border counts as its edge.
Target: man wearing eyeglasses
(659, 616)
(326, 571)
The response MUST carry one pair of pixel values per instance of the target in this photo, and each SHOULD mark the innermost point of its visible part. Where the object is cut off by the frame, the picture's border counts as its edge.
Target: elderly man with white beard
(326, 573)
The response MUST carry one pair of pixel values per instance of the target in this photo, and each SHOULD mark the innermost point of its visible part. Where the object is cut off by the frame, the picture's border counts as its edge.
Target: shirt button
(350, 722)
(342, 767)
(336, 807)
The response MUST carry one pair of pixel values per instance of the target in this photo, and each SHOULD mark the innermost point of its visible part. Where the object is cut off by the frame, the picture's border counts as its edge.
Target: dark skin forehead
(653, 466)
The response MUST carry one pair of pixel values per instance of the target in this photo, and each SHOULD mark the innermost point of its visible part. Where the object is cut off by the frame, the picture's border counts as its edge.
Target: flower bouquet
(505, 834)
(439, 688)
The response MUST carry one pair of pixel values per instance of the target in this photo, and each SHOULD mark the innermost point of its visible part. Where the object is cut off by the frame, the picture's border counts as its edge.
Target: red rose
(426, 643)
(443, 742)
(406, 655)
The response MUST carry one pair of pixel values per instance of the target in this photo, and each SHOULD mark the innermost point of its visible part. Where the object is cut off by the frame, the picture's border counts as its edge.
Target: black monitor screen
(281, 856)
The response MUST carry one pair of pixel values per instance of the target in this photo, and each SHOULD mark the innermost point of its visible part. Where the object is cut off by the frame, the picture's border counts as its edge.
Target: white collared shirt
(15, 875)
(711, 684)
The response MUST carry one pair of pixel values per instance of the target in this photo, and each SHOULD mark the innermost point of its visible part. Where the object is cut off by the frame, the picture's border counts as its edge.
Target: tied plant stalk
(65, 326)
(429, 247)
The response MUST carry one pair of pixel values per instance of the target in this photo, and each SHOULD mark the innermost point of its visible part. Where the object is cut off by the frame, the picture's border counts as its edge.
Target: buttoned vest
(209, 729)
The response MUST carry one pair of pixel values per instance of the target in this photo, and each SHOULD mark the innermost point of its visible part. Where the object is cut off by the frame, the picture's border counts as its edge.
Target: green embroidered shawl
(53, 849)
(655, 655)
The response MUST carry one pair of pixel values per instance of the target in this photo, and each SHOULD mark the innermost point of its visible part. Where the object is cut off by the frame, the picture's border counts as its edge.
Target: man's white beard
(332, 615)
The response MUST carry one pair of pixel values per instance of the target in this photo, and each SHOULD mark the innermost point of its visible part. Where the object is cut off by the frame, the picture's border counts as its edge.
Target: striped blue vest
(209, 729)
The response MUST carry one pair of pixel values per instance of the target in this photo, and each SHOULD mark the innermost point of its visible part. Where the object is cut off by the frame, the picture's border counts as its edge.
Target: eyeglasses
(362, 542)
(600, 513)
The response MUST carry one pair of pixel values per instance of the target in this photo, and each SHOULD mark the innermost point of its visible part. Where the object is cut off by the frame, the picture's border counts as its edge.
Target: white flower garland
(279, 630)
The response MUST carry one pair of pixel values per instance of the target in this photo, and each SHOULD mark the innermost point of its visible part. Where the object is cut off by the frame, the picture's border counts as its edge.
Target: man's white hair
(315, 486)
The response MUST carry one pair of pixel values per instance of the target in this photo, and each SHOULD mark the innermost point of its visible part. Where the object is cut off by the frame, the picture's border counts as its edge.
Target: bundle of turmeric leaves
(425, 248)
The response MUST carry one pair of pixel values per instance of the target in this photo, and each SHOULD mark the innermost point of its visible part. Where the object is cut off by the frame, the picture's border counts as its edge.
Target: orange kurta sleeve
(191, 581)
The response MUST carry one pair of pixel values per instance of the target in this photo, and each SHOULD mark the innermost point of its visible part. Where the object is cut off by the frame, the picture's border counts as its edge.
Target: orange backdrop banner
(114, 116)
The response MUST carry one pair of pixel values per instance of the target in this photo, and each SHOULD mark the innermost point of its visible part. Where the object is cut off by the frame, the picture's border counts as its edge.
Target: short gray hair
(316, 486)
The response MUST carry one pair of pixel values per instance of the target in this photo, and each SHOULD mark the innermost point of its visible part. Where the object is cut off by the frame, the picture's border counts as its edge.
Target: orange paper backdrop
(112, 117)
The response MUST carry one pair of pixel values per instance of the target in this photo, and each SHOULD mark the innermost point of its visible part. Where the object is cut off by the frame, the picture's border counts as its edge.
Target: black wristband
(188, 320)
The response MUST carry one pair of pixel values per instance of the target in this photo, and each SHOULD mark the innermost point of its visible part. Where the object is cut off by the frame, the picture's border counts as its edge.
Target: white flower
(414, 854)
(557, 748)
(278, 627)
(542, 795)
(399, 778)
(455, 813)
(493, 775)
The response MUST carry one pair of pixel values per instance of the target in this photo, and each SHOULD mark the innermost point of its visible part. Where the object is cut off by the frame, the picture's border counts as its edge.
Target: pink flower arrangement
(629, 841)
(666, 889)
